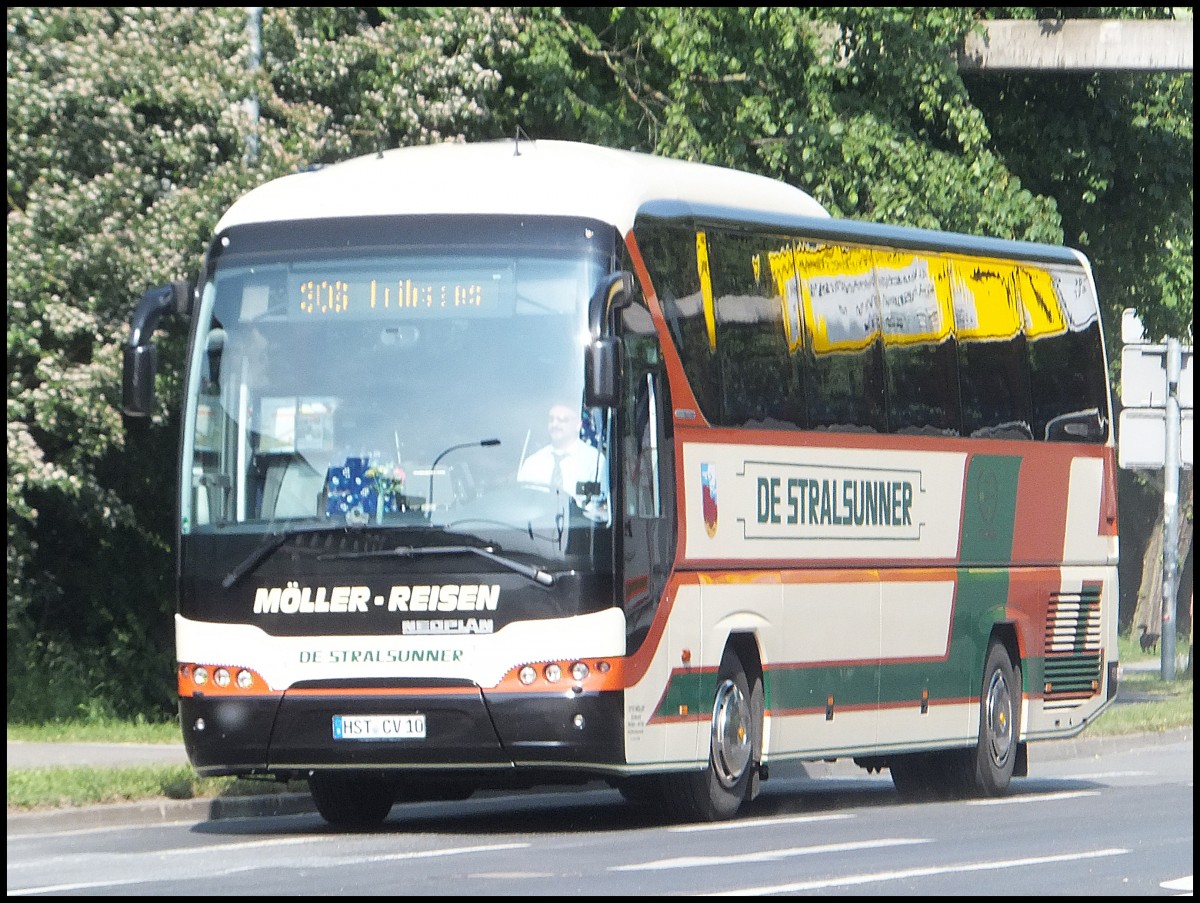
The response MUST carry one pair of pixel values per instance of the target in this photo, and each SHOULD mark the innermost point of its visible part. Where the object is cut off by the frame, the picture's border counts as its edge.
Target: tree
(129, 133)
(1120, 168)
(863, 108)
(127, 137)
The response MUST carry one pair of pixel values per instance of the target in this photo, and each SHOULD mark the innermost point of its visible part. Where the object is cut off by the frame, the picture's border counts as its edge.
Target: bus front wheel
(718, 791)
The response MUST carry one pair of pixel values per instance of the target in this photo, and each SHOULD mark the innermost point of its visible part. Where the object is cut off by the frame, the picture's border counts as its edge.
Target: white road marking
(1034, 798)
(308, 864)
(756, 822)
(875, 877)
(689, 862)
(1184, 885)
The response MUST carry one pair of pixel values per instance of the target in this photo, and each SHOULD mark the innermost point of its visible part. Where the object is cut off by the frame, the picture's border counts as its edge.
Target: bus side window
(642, 414)
(759, 379)
(995, 389)
(845, 390)
(1067, 381)
(923, 389)
(674, 270)
(644, 499)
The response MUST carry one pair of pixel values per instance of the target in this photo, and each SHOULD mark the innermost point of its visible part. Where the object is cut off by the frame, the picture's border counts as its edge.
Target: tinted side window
(922, 389)
(1067, 381)
(843, 353)
(669, 252)
(1070, 399)
(759, 378)
(992, 362)
(918, 331)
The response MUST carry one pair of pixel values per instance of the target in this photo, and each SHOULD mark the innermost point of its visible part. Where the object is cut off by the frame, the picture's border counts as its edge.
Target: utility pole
(1156, 433)
(254, 29)
(1170, 512)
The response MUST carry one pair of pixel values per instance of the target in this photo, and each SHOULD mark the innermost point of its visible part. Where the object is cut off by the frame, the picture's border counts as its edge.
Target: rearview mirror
(602, 359)
(141, 361)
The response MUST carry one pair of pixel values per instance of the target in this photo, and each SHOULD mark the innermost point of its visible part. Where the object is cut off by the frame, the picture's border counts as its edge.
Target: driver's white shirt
(578, 463)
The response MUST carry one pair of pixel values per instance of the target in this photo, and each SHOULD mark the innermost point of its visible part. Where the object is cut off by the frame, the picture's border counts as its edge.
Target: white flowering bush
(129, 132)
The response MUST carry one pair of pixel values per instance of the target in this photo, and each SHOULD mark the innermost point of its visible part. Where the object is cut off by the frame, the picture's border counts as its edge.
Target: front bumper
(466, 728)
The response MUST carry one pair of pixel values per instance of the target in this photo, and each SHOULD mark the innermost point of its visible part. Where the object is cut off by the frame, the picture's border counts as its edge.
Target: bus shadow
(596, 807)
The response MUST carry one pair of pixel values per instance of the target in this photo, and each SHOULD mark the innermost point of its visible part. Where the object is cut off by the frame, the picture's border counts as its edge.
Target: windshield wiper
(269, 547)
(545, 578)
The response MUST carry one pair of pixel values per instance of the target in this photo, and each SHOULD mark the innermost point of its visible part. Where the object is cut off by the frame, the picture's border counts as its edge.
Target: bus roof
(552, 178)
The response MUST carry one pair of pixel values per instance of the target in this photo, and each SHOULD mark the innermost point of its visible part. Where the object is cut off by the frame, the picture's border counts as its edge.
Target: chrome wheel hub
(730, 734)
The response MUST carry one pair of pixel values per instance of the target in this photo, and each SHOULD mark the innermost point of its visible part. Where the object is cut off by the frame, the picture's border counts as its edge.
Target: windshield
(425, 388)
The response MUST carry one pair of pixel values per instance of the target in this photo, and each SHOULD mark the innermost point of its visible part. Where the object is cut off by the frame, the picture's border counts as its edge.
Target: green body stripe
(688, 688)
(989, 510)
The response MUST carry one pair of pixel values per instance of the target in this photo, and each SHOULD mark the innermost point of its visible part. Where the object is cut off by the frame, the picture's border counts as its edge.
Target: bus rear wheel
(352, 802)
(989, 767)
(718, 791)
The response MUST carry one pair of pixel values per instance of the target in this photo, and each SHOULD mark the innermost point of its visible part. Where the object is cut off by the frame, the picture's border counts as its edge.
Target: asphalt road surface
(1111, 817)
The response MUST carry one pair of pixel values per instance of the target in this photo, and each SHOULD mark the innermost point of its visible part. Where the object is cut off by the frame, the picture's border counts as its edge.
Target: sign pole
(1170, 512)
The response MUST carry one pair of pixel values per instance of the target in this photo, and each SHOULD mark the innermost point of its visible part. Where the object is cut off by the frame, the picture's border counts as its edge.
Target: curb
(1093, 747)
(157, 812)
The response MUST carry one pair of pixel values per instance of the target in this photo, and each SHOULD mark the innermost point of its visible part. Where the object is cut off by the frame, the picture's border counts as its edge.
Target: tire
(989, 767)
(434, 791)
(640, 790)
(352, 803)
(925, 776)
(717, 792)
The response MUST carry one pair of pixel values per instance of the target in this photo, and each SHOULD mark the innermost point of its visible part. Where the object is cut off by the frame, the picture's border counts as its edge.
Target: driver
(567, 461)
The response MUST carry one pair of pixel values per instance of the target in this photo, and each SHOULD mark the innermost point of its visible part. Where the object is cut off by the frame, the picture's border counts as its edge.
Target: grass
(106, 730)
(1150, 705)
(59, 787)
(53, 788)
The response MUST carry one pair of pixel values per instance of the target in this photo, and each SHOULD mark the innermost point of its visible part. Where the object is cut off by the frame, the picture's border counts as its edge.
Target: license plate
(378, 727)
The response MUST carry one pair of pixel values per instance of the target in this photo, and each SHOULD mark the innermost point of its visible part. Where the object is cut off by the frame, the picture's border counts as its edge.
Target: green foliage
(863, 108)
(130, 131)
(128, 135)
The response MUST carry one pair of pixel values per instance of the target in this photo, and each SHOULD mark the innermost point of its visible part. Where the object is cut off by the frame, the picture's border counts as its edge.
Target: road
(1116, 822)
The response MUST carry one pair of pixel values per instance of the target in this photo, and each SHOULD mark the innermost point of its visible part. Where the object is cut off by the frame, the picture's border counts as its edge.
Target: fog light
(245, 679)
(579, 671)
(527, 675)
(578, 721)
(199, 725)
(221, 677)
(553, 673)
(200, 676)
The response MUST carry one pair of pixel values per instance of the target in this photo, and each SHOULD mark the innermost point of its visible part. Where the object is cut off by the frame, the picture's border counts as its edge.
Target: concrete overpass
(1065, 45)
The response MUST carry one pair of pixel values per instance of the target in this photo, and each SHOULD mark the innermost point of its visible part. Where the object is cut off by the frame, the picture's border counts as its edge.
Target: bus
(841, 490)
